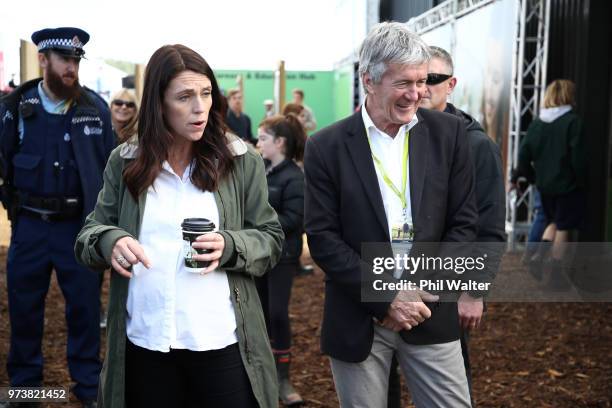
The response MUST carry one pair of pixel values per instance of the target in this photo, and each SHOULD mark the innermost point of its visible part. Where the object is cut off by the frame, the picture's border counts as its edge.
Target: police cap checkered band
(64, 40)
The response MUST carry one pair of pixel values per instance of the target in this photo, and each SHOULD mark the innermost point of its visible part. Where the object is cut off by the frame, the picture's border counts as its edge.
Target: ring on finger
(122, 261)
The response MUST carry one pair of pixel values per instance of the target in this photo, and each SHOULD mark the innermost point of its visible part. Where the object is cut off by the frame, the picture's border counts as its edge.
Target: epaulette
(12, 100)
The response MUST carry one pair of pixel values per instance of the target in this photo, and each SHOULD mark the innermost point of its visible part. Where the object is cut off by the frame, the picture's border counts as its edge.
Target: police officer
(55, 138)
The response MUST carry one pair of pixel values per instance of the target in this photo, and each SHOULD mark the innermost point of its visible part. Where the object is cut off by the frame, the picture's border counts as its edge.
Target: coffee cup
(192, 228)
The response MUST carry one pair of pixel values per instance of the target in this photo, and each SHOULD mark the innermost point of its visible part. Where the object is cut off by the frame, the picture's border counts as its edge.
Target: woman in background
(300, 112)
(281, 142)
(297, 110)
(553, 153)
(124, 114)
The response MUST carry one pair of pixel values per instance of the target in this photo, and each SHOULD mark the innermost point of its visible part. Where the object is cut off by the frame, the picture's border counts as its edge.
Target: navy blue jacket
(91, 147)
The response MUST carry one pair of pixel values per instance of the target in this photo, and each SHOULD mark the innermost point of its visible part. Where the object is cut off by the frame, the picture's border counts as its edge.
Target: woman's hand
(127, 252)
(215, 243)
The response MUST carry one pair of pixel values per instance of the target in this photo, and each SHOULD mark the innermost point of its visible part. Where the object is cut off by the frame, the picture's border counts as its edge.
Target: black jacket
(554, 155)
(240, 125)
(490, 192)
(286, 196)
(490, 187)
(344, 209)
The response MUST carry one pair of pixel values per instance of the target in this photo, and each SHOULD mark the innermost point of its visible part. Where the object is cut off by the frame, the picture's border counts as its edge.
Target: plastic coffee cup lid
(197, 225)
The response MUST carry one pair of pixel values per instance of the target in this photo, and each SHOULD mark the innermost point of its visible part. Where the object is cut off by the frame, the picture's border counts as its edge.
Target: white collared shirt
(169, 307)
(389, 151)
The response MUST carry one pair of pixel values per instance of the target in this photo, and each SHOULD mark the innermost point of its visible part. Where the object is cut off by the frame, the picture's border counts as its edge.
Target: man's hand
(408, 310)
(470, 311)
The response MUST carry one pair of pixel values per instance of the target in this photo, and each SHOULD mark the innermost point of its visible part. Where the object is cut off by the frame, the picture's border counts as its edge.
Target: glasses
(119, 102)
(435, 79)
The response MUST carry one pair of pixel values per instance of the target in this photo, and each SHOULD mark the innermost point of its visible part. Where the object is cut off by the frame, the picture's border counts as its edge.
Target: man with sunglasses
(490, 193)
(55, 139)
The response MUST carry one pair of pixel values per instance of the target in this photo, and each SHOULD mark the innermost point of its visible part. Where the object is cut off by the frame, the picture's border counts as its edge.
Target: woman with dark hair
(281, 142)
(179, 334)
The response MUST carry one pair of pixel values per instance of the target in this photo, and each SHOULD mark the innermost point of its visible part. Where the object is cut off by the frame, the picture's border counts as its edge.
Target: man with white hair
(389, 173)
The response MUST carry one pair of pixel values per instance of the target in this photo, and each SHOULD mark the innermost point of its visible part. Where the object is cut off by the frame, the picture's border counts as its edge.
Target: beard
(56, 84)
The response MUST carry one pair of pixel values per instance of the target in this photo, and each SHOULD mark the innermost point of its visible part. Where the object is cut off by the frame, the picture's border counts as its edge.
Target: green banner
(319, 89)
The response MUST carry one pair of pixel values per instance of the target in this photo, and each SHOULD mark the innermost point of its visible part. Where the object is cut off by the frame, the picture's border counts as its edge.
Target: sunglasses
(119, 102)
(435, 79)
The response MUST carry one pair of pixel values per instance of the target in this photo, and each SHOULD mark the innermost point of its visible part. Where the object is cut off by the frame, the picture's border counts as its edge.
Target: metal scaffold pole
(528, 82)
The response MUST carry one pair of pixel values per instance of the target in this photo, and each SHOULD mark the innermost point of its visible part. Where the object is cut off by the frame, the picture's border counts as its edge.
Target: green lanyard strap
(400, 194)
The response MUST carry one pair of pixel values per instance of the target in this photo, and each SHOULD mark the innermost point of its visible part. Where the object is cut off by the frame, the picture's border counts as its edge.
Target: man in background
(238, 122)
(55, 139)
(310, 123)
(489, 178)
(268, 108)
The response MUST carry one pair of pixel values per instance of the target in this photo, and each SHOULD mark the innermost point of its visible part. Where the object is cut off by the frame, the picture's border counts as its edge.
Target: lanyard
(400, 194)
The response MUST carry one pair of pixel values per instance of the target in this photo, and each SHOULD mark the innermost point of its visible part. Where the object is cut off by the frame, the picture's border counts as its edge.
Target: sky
(230, 34)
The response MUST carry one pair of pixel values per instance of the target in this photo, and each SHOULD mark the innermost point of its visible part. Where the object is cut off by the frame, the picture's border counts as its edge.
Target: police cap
(68, 41)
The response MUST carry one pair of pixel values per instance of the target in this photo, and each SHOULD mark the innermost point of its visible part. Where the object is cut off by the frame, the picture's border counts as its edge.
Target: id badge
(401, 232)
(402, 236)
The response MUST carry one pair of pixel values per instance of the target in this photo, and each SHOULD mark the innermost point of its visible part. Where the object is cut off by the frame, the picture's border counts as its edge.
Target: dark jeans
(185, 378)
(274, 290)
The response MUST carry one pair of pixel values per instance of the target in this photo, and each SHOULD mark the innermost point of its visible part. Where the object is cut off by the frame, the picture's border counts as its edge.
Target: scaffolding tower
(528, 83)
(530, 54)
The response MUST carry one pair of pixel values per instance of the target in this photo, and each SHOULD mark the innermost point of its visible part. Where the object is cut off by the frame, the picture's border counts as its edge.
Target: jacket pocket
(27, 173)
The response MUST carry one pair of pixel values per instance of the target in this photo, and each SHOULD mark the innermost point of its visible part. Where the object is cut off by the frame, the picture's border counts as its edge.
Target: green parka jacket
(253, 242)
